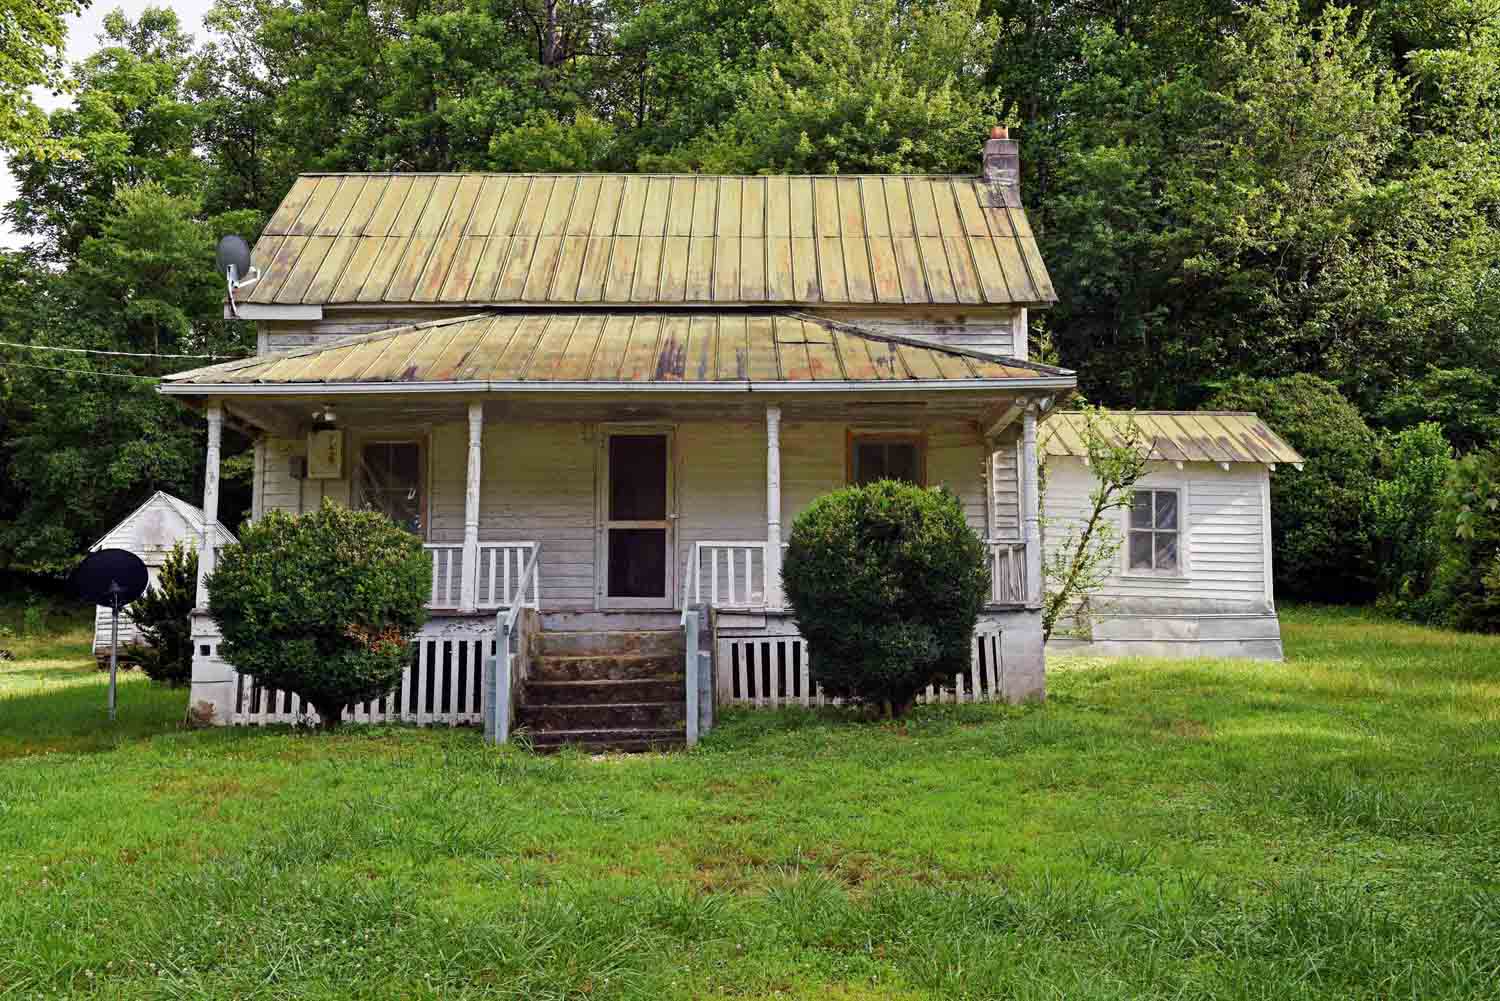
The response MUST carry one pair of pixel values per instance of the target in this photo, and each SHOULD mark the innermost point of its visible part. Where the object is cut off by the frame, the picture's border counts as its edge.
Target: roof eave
(199, 389)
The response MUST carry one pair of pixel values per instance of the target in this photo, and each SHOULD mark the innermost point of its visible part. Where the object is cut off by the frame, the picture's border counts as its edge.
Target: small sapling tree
(323, 604)
(887, 581)
(163, 616)
(1084, 556)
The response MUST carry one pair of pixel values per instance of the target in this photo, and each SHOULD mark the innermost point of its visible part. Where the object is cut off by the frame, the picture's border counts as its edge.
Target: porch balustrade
(499, 568)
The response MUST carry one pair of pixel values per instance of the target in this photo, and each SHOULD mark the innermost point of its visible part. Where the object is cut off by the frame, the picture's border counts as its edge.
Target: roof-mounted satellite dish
(111, 577)
(233, 260)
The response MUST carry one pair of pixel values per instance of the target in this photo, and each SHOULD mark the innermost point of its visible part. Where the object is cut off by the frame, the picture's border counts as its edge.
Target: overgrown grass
(1323, 828)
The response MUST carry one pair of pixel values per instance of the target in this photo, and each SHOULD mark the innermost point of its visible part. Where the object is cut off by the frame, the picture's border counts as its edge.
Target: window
(886, 457)
(390, 481)
(1155, 532)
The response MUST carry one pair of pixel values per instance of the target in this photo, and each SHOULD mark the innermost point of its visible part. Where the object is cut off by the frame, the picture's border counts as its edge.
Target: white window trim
(1184, 530)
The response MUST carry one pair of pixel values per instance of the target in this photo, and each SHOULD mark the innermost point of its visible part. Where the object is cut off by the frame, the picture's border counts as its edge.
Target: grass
(1323, 828)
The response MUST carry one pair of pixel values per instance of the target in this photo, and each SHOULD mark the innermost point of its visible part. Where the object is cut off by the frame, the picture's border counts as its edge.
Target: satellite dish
(233, 253)
(111, 577)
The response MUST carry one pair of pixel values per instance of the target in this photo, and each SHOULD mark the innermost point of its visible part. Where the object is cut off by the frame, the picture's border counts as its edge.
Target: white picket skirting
(772, 671)
(443, 686)
(500, 565)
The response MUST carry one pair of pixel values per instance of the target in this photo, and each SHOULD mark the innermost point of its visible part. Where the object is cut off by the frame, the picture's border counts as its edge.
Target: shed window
(390, 481)
(1155, 531)
(886, 458)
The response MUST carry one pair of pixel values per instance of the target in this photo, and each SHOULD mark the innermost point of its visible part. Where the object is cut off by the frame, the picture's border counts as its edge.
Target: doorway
(636, 519)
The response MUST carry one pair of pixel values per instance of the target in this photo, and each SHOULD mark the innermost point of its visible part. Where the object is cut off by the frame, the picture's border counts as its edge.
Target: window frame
(855, 437)
(424, 453)
(1182, 571)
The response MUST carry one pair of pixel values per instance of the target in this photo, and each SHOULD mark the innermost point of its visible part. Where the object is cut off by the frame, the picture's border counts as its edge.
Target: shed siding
(1226, 557)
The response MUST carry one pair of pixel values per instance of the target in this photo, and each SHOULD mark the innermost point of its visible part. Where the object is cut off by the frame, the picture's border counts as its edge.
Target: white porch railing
(1007, 572)
(771, 671)
(442, 685)
(735, 574)
(500, 565)
(510, 669)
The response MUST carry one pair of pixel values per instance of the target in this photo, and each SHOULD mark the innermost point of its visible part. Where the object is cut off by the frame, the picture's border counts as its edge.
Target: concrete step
(608, 667)
(602, 692)
(609, 622)
(639, 739)
(586, 642)
(613, 716)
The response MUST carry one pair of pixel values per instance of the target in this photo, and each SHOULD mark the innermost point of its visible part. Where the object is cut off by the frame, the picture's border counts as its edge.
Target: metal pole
(114, 642)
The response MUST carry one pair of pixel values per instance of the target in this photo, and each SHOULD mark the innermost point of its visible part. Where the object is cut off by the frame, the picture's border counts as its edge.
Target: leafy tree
(163, 616)
(1085, 557)
(1467, 590)
(33, 32)
(1403, 509)
(887, 581)
(324, 604)
(1318, 530)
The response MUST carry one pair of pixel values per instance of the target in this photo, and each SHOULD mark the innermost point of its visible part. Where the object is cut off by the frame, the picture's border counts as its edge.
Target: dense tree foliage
(1221, 189)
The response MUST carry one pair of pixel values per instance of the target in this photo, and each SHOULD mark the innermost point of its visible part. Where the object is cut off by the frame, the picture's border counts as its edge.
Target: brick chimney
(1002, 169)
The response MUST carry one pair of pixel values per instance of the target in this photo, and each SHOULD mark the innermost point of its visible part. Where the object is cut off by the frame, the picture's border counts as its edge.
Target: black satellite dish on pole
(111, 577)
(233, 261)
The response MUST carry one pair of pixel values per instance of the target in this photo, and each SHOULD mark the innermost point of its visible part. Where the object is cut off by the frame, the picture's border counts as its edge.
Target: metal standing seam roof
(636, 239)
(611, 348)
(1180, 436)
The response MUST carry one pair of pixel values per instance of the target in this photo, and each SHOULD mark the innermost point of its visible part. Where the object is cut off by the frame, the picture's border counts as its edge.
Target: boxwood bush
(887, 582)
(323, 604)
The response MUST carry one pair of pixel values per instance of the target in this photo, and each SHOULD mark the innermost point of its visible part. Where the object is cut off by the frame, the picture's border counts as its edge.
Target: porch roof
(645, 351)
(633, 239)
(1180, 436)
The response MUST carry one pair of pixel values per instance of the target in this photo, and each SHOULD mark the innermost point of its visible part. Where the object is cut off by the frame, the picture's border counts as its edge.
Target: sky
(82, 40)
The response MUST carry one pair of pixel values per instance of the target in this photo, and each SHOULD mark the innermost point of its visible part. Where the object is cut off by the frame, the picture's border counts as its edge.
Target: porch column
(773, 507)
(215, 411)
(468, 599)
(1031, 508)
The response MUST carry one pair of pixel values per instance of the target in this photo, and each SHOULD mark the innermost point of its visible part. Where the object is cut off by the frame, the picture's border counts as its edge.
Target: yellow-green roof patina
(1179, 436)
(587, 349)
(635, 239)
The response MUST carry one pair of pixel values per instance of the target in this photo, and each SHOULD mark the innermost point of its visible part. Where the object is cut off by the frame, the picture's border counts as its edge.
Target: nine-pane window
(887, 459)
(1154, 531)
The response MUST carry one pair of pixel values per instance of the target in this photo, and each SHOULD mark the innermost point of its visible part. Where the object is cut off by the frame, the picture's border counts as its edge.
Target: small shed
(1193, 576)
(150, 531)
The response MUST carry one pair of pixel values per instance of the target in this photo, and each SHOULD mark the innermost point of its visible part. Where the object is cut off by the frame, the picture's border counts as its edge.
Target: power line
(81, 371)
(120, 354)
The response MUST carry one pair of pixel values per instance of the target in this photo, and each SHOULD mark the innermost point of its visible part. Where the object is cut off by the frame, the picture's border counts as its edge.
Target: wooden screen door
(636, 520)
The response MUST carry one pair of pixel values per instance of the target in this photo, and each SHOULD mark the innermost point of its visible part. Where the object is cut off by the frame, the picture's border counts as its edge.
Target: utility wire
(120, 354)
(79, 371)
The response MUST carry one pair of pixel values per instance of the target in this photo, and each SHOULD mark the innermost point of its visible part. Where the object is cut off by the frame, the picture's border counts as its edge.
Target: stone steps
(606, 689)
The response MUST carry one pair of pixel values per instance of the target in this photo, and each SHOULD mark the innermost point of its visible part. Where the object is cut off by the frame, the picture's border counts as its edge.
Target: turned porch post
(468, 599)
(1031, 507)
(215, 411)
(773, 507)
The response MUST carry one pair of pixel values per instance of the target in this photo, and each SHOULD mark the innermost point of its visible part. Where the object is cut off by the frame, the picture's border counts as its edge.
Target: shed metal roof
(636, 239)
(645, 349)
(1180, 436)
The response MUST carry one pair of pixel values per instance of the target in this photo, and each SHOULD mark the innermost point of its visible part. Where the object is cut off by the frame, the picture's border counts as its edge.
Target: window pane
(637, 562)
(901, 461)
(1166, 509)
(391, 482)
(869, 462)
(638, 477)
(1140, 509)
(1166, 550)
(1140, 550)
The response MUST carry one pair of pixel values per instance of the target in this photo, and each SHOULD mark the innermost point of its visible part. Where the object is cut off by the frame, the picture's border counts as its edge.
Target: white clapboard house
(150, 531)
(1193, 574)
(603, 398)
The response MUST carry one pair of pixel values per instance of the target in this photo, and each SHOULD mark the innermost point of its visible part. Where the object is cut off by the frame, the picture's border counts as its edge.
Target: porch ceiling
(646, 351)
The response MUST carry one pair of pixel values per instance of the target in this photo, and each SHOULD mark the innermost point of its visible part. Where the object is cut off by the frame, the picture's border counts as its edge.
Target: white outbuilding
(1193, 574)
(150, 531)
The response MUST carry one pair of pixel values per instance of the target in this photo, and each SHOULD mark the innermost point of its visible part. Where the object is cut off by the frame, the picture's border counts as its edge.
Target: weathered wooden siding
(1006, 484)
(278, 490)
(1226, 557)
(992, 331)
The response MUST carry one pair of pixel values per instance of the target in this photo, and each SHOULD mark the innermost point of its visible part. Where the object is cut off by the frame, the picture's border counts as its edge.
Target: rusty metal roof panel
(482, 239)
(1180, 436)
(582, 346)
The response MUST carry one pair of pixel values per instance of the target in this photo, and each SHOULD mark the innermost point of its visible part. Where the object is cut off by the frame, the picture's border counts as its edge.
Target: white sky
(82, 40)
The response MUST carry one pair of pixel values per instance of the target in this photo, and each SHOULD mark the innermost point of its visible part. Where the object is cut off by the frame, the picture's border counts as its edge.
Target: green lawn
(1322, 828)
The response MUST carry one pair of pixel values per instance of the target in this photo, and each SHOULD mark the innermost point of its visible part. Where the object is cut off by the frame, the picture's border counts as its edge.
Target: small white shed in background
(1193, 577)
(150, 531)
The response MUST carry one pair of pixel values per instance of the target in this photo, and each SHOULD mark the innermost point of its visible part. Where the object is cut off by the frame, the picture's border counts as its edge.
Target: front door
(636, 519)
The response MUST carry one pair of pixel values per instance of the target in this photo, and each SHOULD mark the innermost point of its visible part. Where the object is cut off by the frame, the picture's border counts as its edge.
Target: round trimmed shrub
(887, 582)
(323, 604)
